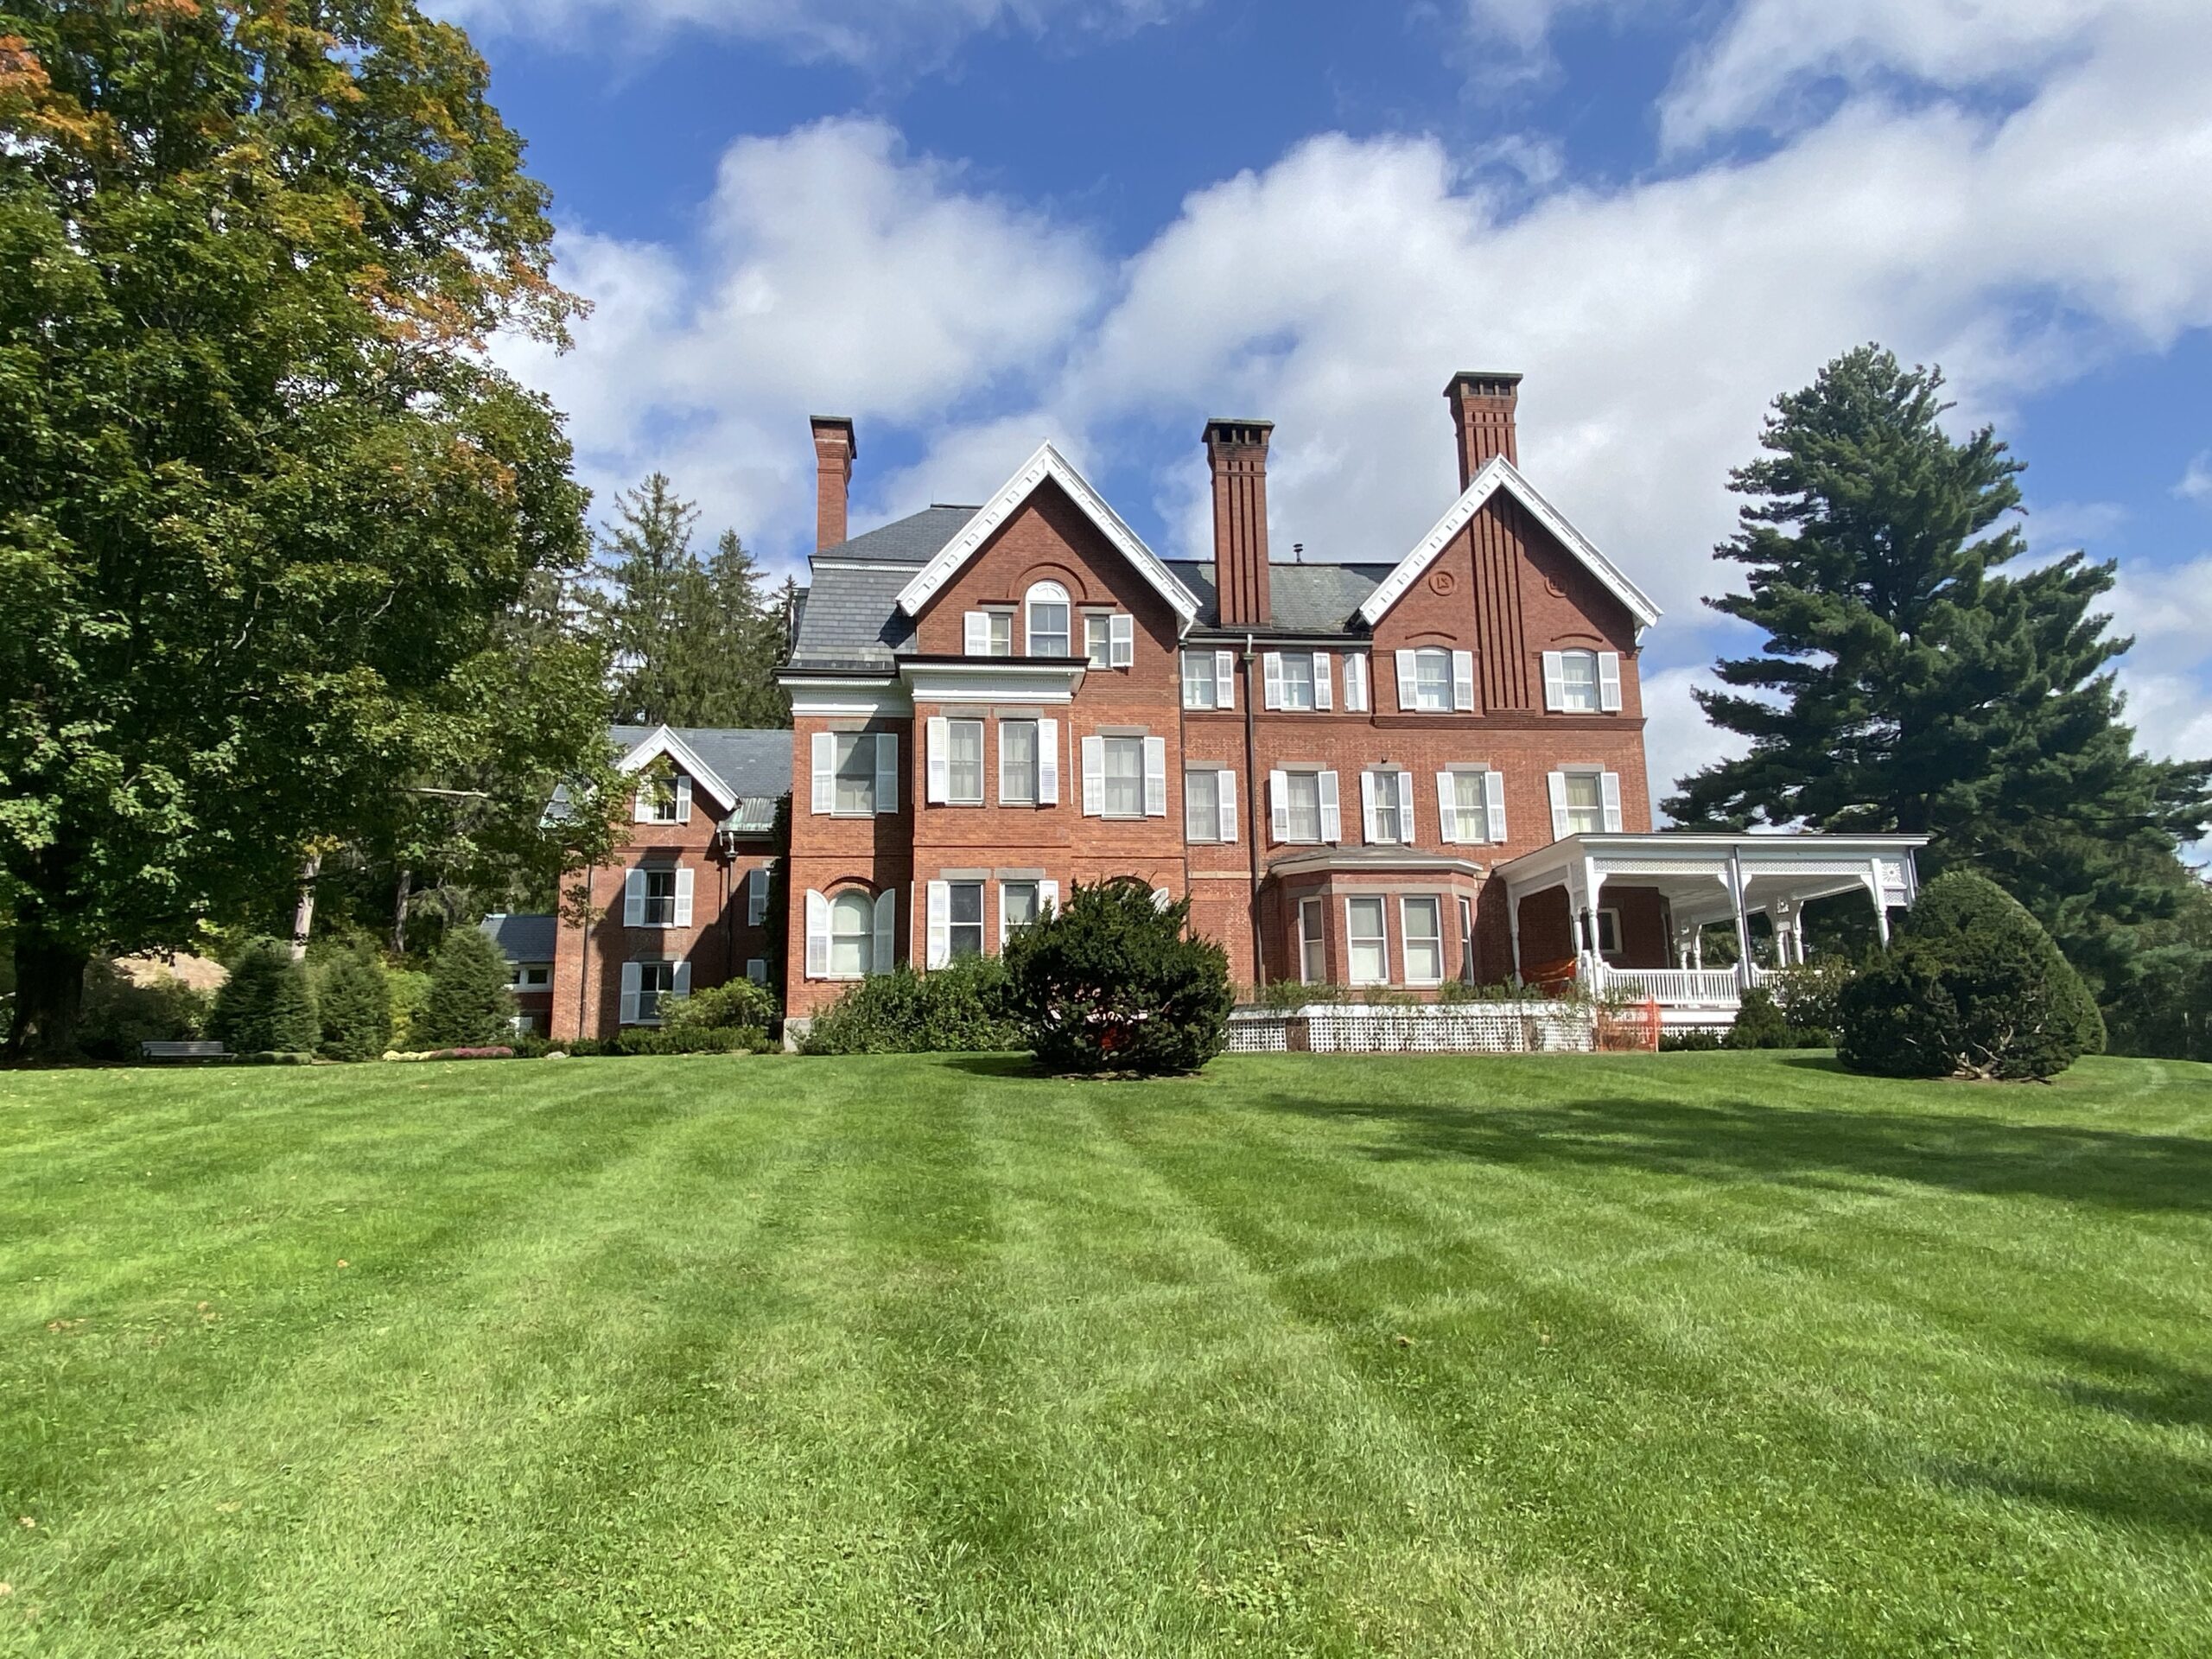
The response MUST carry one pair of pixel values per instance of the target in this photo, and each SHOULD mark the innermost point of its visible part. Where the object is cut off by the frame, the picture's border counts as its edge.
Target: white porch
(1699, 880)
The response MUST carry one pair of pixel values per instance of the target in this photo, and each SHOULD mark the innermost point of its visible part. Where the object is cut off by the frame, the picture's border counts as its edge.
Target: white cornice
(1046, 463)
(993, 679)
(661, 740)
(868, 697)
(1499, 473)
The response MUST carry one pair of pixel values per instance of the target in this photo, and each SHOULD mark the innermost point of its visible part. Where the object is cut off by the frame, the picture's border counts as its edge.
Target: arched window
(852, 935)
(1046, 609)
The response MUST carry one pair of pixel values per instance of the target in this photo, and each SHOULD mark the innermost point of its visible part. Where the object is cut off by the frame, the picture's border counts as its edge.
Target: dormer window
(1047, 620)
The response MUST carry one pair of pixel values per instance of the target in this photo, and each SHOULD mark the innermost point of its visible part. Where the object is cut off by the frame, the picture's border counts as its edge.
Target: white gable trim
(661, 740)
(1499, 473)
(1046, 463)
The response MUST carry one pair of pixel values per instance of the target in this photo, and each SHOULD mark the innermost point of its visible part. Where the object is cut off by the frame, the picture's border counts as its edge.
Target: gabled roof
(1499, 473)
(1046, 463)
(728, 762)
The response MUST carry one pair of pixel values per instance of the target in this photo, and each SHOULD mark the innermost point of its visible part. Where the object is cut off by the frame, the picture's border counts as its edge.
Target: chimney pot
(834, 450)
(1483, 401)
(1236, 455)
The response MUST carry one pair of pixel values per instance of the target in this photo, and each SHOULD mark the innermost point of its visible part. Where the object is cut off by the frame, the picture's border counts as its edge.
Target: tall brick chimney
(1482, 416)
(1236, 454)
(834, 451)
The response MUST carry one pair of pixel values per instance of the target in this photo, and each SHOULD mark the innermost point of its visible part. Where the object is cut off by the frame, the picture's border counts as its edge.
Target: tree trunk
(303, 911)
(399, 916)
(49, 992)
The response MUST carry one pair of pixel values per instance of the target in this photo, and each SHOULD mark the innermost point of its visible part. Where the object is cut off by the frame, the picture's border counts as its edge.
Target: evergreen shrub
(120, 1012)
(738, 1006)
(355, 1007)
(1971, 986)
(1811, 993)
(266, 1006)
(959, 1009)
(469, 1005)
(410, 989)
(1111, 982)
(1760, 1023)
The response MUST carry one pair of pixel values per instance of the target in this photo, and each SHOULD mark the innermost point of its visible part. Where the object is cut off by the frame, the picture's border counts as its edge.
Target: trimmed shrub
(266, 1006)
(355, 1007)
(1110, 983)
(738, 1005)
(1971, 987)
(120, 1012)
(1696, 1040)
(1811, 995)
(960, 1009)
(469, 1005)
(410, 989)
(1760, 1023)
(693, 1039)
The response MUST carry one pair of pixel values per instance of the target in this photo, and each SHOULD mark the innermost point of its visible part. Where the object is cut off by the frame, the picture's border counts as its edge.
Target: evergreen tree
(355, 1007)
(469, 1005)
(1906, 685)
(266, 1004)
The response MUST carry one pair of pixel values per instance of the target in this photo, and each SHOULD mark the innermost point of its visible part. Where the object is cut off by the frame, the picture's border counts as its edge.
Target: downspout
(1252, 811)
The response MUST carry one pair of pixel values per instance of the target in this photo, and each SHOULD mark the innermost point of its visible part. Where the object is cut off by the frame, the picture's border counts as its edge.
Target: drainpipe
(1252, 812)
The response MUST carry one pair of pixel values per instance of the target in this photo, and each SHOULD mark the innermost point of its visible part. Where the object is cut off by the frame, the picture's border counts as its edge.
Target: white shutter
(1224, 679)
(683, 879)
(1555, 680)
(817, 936)
(1048, 763)
(1278, 806)
(682, 977)
(1557, 781)
(1354, 683)
(1324, 674)
(1227, 790)
(937, 734)
(1610, 786)
(631, 977)
(1448, 810)
(1367, 806)
(683, 797)
(1006, 773)
(756, 895)
(940, 920)
(1406, 830)
(825, 773)
(1271, 672)
(1406, 678)
(976, 630)
(1121, 641)
(1048, 897)
(633, 898)
(1609, 682)
(1332, 822)
(1155, 776)
(1161, 899)
(1094, 777)
(886, 953)
(1494, 805)
(641, 805)
(886, 772)
(756, 969)
(1463, 681)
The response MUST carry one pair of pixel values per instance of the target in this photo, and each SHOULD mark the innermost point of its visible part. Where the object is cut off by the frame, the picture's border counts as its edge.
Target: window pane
(1433, 681)
(1312, 948)
(965, 772)
(1424, 941)
(1098, 640)
(1199, 691)
(855, 756)
(1048, 628)
(1585, 806)
(1467, 798)
(1018, 755)
(1384, 786)
(1371, 956)
(967, 918)
(1001, 632)
(1305, 814)
(1580, 670)
(1019, 899)
(1297, 680)
(852, 935)
(1202, 806)
(1124, 777)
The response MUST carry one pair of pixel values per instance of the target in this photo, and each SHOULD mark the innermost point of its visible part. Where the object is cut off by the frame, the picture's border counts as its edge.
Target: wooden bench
(183, 1052)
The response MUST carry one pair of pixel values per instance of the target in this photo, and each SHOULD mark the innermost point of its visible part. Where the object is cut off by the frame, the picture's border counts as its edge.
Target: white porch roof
(1713, 878)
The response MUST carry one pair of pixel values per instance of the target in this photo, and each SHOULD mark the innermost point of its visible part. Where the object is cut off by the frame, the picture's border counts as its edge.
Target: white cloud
(1678, 740)
(2169, 611)
(866, 32)
(2196, 482)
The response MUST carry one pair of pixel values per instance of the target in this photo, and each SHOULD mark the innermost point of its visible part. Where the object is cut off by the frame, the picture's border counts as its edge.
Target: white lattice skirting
(1452, 1028)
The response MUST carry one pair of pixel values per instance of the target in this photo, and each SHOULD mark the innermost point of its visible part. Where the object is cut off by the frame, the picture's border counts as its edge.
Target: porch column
(1881, 911)
(1743, 923)
(1513, 928)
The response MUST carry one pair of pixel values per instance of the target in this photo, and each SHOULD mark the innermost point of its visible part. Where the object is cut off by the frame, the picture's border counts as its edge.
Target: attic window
(1048, 620)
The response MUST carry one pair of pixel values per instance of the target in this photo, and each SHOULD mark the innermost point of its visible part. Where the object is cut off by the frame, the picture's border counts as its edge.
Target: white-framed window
(1302, 806)
(1386, 800)
(1609, 933)
(1471, 805)
(964, 920)
(658, 802)
(852, 935)
(1355, 682)
(1048, 613)
(660, 898)
(1209, 679)
(1124, 777)
(1467, 940)
(855, 773)
(1420, 931)
(645, 987)
(855, 770)
(965, 762)
(1017, 907)
(988, 633)
(1367, 941)
(1582, 682)
(1586, 802)
(1018, 763)
(1295, 681)
(657, 896)
(1110, 638)
(1433, 681)
(531, 976)
(1210, 804)
(1312, 941)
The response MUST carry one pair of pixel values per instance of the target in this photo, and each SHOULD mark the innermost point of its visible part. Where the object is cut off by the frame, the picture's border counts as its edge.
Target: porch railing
(1679, 987)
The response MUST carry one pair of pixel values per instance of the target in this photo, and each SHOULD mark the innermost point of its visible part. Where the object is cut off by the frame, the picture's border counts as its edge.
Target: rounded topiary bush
(266, 1006)
(1111, 981)
(355, 1007)
(469, 1005)
(1971, 986)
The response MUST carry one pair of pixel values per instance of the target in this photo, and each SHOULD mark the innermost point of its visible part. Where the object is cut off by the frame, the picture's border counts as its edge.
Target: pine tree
(355, 1007)
(469, 1005)
(1906, 685)
(266, 1004)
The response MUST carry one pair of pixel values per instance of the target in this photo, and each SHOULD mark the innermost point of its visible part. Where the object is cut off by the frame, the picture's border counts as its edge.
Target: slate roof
(915, 540)
(1301, 598)
(751, 763)
(852, 618)
(524, 938)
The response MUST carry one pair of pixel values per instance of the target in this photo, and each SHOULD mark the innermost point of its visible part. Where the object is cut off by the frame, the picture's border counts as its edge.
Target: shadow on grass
(1744, 1140)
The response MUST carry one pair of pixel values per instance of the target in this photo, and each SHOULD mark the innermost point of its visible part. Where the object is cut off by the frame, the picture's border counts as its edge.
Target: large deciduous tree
(267, 508)
(1907, 683)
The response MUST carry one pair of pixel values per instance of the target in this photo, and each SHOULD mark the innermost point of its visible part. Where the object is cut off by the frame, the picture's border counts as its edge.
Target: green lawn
(1625, 1355)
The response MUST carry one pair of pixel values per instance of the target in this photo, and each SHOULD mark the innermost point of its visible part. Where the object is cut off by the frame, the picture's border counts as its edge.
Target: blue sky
(971, 224)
